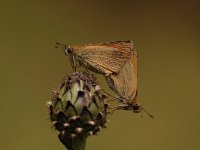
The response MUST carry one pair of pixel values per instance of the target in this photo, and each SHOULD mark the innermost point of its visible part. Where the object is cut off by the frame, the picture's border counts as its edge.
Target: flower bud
(78, 109)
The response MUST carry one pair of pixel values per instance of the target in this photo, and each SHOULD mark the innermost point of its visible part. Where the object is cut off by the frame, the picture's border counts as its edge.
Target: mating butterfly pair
(117, 61)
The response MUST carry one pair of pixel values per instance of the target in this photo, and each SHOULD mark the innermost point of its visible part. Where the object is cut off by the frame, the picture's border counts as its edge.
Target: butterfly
(105, 58)
(124, 84)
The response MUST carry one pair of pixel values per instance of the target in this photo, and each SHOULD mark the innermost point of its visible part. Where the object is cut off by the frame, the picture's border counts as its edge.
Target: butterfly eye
(68, 50)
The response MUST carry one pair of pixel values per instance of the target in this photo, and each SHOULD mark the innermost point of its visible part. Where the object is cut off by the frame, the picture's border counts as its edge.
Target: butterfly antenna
(60, 45)
(147, 112)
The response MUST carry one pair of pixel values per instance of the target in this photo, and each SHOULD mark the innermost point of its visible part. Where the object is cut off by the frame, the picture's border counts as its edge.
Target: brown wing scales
(110, 56)
(125, 82)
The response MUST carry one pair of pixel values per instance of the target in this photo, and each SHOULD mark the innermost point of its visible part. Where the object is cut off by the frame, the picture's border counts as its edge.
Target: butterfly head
(137, 108)
(68, 50)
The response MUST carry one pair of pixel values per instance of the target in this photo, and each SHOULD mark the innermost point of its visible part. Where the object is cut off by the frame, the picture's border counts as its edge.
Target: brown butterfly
(124, 84)
(105, 58)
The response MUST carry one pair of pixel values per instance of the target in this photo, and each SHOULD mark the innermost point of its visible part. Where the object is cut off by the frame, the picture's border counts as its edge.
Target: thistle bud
(78, 109)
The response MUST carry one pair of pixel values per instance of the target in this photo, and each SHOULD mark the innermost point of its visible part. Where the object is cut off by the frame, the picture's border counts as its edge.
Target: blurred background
(166, 35)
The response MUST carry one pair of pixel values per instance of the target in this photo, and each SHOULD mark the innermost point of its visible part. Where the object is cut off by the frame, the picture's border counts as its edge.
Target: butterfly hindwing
(125, 82)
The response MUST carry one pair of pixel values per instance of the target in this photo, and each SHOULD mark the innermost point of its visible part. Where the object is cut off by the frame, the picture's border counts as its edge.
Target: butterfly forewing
(107, 57)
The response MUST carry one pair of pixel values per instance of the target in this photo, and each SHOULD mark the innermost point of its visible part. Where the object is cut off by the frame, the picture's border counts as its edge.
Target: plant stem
(78, 143)
(74, 143)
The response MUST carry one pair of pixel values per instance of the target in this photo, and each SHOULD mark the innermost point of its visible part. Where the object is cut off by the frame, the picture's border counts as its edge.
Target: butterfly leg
(73, 63)
(87, 70)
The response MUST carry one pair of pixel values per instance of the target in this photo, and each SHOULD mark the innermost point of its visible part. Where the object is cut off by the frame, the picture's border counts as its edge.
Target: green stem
(78, 143)
(73, 143)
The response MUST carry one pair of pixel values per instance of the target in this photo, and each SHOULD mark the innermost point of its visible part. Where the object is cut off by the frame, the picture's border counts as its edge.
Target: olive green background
(166, 35)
